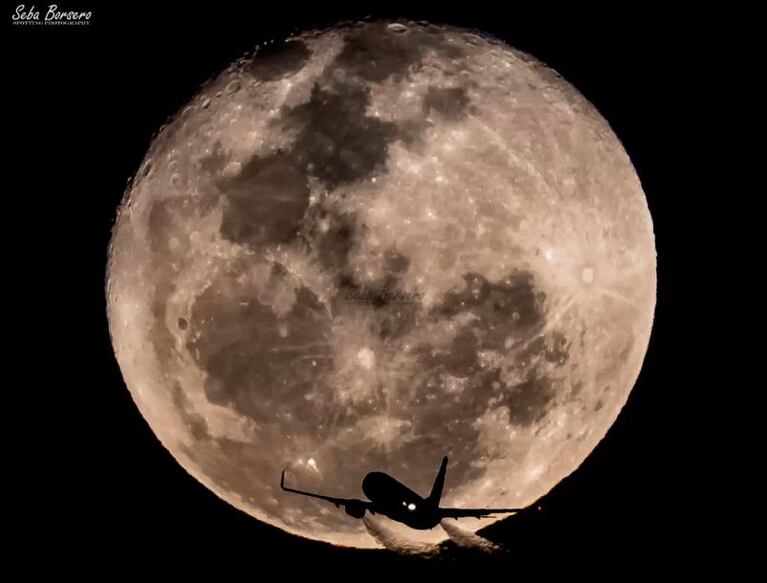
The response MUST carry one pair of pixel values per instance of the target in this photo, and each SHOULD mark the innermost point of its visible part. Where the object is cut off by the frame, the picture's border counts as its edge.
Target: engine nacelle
(355, 509)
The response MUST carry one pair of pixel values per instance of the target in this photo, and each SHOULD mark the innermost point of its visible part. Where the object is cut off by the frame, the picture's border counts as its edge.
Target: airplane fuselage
(398, 502)
(392, 498)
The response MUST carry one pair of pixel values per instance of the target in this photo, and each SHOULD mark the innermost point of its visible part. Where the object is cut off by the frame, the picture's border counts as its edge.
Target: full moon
(370, 246)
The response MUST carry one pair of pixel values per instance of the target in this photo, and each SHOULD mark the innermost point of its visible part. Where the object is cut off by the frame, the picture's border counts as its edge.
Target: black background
(669, 492)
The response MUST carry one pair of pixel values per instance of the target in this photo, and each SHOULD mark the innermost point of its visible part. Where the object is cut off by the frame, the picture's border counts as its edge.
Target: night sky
(669, 492)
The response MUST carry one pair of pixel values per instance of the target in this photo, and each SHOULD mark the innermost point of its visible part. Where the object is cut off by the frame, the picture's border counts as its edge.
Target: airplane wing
(476, 512)
(351, 505)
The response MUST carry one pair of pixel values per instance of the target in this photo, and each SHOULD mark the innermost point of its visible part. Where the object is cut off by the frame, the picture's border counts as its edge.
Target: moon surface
(371, 246)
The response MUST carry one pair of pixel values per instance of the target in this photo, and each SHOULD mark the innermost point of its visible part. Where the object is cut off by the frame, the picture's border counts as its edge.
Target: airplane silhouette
(391, 498)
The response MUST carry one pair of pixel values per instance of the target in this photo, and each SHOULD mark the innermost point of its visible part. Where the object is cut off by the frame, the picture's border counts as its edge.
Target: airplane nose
(370, 484)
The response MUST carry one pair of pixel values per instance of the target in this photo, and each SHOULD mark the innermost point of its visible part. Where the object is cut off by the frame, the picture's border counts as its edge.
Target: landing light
(411, 506)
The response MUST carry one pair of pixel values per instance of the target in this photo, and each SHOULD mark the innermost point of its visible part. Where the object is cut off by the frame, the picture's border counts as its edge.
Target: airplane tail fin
(439, 483)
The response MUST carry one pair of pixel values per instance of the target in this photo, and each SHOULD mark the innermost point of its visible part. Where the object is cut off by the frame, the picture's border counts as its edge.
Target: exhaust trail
(395, 541)
(465, 538)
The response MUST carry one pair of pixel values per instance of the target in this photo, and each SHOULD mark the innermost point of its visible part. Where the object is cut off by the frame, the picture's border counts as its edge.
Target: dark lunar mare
(336, 143)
